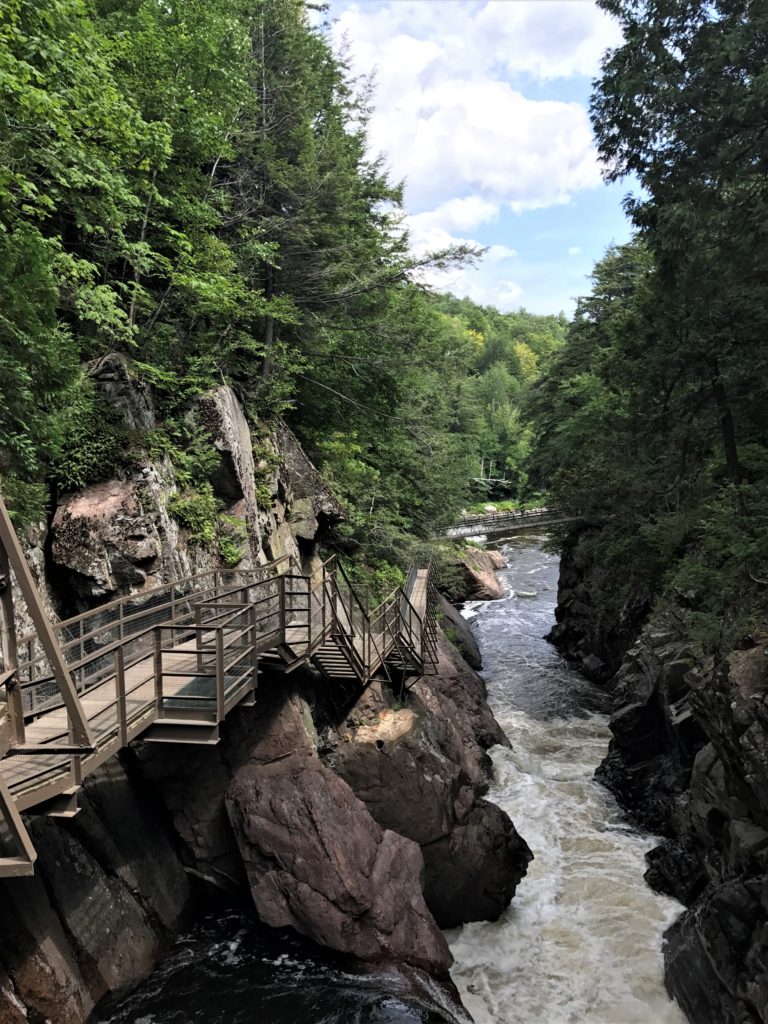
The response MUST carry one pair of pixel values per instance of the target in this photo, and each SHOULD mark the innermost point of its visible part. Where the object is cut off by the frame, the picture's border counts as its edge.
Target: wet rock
(715, 958)
(318, 862)
(496, 559)
(11, 1009)
(143, 859)
(476, 579)
(110, 933)
(457, 630)
(473, 872)
(655, 737)
(107, 894)
(38, 958)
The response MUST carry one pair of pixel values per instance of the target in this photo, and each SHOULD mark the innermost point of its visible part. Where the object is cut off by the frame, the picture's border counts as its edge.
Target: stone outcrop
(655, 734)
(475, 578)
(313, 506)
(119, 536)
(317, 861)
(123, 393)
(689, 760)
(365, 841)
(593, 629)
(105, 540)
(107, 896)
(706, 784)
(422, 771)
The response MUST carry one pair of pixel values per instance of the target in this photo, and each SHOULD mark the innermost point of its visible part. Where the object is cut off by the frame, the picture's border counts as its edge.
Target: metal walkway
(169, 665)
(505, 522)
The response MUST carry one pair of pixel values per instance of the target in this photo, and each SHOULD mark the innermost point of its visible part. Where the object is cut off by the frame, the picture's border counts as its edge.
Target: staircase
(169, 665)
(335, 660)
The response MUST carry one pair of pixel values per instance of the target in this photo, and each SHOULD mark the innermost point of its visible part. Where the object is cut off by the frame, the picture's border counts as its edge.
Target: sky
(481, 106)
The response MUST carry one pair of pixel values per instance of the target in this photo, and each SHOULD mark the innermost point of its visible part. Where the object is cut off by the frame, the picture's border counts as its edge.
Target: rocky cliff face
(365, 829)
(367, 834)
(689, 760)
(586, 632)
(109, 892)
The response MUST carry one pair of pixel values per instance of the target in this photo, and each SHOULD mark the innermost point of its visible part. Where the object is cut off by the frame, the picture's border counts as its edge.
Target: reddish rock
(421, 771)
(455, 679)
(497, 560)
(478, 576)
(318, 862)
(11, 1010)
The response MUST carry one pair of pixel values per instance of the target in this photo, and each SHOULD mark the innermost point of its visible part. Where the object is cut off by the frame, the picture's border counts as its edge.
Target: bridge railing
(201, 672)
(351, 624)
(497, 521)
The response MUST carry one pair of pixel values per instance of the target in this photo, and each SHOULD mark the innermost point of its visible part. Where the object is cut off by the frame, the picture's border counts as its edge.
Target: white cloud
(447, 115)
(461, 214)
(547, 40)
(574, 250)
(461, 113)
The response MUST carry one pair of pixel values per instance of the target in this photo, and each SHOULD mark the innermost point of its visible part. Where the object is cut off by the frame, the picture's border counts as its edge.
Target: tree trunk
(269, 323)
(728, 432)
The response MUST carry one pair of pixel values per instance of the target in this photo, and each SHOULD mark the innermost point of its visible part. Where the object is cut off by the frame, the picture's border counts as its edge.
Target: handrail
(492, 519)
(195, 655)
(146, 595)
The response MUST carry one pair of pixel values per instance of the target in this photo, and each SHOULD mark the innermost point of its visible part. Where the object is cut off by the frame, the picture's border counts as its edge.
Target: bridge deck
(506, 522)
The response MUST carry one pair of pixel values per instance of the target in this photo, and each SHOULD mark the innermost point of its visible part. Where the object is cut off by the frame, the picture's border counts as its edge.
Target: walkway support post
(9, 542)
(10, 652)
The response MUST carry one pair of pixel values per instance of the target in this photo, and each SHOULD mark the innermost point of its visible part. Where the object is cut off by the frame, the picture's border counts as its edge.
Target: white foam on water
(470, 609)
(581, 942)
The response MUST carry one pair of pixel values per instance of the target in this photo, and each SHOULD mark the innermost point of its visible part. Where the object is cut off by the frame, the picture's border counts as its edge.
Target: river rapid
(581, 942)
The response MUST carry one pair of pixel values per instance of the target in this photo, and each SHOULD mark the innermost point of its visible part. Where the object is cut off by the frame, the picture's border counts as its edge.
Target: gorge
(278, 351)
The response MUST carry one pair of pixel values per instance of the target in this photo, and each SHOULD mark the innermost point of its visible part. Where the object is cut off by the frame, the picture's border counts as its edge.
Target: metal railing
(189, 651)
(500, 522)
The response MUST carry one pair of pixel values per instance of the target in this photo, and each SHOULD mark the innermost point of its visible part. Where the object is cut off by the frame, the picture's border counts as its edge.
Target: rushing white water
(581, 942)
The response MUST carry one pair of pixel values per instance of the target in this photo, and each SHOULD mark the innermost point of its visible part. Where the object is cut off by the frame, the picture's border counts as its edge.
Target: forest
(651, 422)
(189, 184)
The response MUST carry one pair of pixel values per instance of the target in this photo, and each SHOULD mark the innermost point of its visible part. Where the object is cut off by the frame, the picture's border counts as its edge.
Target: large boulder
(422, 770)
(318, 862)
(105, 540)
(477, 580)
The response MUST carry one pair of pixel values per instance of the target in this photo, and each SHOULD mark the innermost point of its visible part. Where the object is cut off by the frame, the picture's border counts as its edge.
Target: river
(581, 942)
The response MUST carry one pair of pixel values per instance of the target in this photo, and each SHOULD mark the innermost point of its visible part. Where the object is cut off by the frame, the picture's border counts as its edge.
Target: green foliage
(189, 183)
(264, 496)
(233, 540)
(196, 511)
(650, 422)
(94, 444)
(26, 502)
